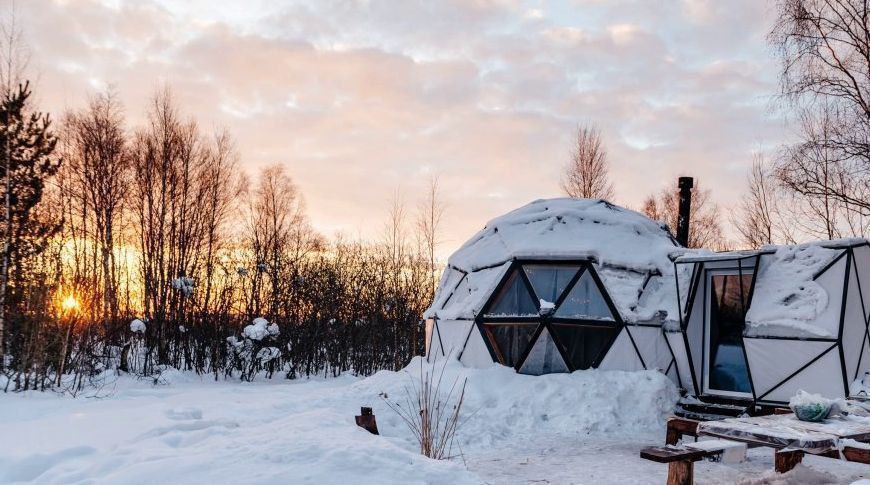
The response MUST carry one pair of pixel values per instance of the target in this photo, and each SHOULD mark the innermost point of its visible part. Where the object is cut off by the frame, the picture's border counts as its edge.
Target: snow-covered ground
(585, 427)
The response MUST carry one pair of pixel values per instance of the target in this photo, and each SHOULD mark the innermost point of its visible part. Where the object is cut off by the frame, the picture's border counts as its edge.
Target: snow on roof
(629, 251)
(787, 301)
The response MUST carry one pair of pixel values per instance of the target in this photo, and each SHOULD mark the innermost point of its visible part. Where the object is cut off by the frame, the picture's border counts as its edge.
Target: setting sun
(70, 303)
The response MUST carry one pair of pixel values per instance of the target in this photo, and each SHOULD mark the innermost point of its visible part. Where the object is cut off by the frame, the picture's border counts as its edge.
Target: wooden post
(784, 461)
(366, 420)
(681, 472)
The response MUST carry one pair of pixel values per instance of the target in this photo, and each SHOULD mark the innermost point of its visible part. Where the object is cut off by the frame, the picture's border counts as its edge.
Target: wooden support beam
(681, 473)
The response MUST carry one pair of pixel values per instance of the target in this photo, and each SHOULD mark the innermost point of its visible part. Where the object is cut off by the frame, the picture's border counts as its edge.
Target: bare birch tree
(429, 215)
(586, 174)
(758, 220)
(95, 179)
(824, 51)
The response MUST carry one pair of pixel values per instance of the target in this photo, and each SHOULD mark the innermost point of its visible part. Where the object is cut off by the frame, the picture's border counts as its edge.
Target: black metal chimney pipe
(685, 184)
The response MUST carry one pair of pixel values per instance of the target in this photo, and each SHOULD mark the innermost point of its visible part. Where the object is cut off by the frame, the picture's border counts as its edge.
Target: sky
(364, 98)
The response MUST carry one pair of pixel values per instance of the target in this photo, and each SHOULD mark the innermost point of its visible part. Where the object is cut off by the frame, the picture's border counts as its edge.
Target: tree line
(144, 249)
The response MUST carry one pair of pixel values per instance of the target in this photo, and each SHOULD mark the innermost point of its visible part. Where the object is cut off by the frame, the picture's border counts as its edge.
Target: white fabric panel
(864, 364)
(675, 339)
(862, 263)
(684, 280)
(832, 281)
(772, 360)
(453, 334)
(435, 350)
(695, 328)
(854, 327)
(475, 354)
(544, 358)
(672, 375)
(430, 327)
(621, 355)
(823, 377)
(652, 346)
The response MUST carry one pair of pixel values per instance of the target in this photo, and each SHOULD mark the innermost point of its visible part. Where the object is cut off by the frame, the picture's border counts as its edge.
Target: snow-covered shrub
(138, 326)
(254, 350)
(184, 284)
(260, 328)
(268, 353)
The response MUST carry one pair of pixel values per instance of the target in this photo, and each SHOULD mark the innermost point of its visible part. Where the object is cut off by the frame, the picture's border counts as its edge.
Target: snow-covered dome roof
(628, 250)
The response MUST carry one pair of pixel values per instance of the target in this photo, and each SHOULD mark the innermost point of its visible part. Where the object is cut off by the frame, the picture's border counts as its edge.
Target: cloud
(361, 97)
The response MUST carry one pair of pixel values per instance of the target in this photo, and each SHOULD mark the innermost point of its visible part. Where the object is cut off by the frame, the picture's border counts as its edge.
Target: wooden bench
(678, 427)
(681, 461)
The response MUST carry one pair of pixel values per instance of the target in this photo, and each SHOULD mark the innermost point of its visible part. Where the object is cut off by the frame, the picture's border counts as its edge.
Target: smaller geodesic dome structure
(760, 325)
(555, 286)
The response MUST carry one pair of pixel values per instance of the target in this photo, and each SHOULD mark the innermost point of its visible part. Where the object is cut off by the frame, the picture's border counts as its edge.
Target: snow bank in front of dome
(629, 251)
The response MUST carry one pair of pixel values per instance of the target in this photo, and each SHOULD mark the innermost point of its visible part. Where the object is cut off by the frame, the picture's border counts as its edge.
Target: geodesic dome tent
(555, 286)
(760, 325)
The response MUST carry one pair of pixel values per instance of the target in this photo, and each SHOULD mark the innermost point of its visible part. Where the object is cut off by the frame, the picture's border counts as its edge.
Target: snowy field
(585, 427)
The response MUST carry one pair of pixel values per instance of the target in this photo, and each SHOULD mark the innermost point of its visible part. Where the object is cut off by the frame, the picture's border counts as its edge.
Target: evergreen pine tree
(27, 161)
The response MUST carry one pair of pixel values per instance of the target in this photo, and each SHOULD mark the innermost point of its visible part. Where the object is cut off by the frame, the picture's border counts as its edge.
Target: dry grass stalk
(431, 415)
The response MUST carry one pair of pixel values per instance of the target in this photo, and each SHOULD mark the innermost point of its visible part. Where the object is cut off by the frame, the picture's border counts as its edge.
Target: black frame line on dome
(866, 319)
(546, 321)
(699, 270)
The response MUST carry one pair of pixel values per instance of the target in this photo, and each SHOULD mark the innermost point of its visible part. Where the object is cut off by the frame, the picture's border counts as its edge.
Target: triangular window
(513, 300)
(585, 301)
(509, 341)
(549, 281)
(585, 345)
(544, 358)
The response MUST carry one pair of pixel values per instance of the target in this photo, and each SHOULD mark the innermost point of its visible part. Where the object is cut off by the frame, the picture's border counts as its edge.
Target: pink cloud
(358, 98)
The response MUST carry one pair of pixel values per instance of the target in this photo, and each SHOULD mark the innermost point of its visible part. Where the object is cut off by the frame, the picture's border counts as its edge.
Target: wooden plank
(667, 454)
(784, 461)
(677, 427)
(860, 455)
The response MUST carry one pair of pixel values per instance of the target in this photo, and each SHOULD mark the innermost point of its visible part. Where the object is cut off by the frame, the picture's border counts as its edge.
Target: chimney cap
(686, 182)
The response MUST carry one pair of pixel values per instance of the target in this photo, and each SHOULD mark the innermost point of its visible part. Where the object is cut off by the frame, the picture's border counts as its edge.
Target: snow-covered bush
(260, 328)
(254, 350)
(138, 326)
(184, 284)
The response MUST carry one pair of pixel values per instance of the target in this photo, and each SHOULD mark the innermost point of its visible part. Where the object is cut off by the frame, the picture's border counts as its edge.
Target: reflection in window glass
(509, 340)
(549, 281)
(729, 294)
(514, 299)
(585, 301)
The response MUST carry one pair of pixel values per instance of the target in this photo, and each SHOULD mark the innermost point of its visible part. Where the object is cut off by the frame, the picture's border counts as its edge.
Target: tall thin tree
(586, 175)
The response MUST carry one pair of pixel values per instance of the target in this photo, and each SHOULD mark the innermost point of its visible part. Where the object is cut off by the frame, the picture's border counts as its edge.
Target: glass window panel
(544, 358)
(514, 299)
(585, 301)
(728, 296)
(549, 281)
(509, 340)
(585, 346)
